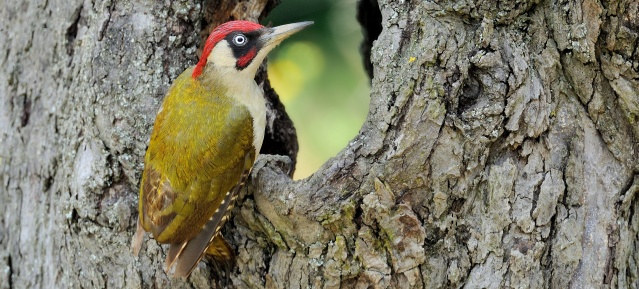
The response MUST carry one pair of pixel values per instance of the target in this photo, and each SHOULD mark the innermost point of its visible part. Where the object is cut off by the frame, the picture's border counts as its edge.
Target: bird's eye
(239, 40)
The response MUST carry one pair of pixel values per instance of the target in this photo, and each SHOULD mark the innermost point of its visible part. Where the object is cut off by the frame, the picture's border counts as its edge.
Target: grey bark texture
(500, 151)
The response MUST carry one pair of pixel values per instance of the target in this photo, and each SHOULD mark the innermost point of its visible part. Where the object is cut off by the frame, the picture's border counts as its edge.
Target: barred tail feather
(223, 259)
(220, 250)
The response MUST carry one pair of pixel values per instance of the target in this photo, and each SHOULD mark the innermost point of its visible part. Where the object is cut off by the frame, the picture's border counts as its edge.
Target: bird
(205, 139)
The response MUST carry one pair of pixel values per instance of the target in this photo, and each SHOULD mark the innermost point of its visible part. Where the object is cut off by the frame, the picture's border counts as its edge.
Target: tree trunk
(501, 150)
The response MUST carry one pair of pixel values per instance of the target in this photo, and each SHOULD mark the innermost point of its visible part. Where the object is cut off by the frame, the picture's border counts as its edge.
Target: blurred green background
(319, 76)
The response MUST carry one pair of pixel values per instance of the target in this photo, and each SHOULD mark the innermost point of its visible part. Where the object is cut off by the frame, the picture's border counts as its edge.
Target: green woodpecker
(206, 137)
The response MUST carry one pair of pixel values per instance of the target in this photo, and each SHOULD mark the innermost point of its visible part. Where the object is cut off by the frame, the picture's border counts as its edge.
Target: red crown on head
(218, 34)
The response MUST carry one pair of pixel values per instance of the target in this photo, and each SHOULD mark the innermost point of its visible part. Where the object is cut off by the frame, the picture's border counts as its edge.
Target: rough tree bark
(500, 150)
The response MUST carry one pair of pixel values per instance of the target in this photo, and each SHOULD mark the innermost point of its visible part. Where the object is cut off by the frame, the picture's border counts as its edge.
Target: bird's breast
(247, 93)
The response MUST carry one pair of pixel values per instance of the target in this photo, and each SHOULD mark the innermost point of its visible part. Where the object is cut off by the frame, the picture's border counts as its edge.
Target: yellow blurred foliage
(286, 78)
(303, 62)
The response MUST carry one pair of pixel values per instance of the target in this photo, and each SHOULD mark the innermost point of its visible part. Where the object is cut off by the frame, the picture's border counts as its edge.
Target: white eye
(239, 40)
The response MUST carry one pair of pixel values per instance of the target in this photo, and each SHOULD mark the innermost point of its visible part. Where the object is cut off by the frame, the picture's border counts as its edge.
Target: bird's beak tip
(279, 33)
(305, 23)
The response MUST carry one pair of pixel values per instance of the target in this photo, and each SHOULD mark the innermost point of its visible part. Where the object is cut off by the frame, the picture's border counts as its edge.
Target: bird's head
(239, 47)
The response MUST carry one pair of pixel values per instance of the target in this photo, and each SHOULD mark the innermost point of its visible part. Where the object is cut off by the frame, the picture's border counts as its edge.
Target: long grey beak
(275, 35)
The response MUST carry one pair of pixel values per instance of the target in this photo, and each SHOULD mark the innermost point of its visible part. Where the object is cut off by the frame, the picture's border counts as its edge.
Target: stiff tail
(136, 243)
